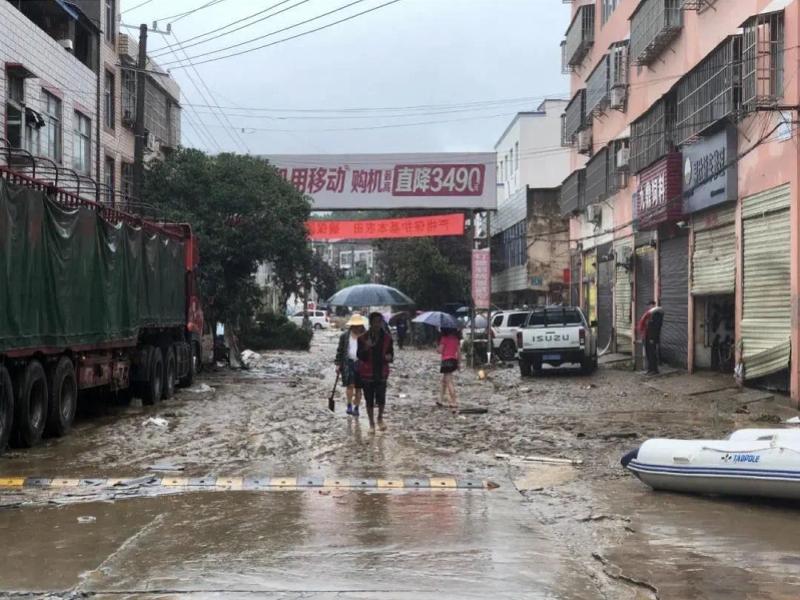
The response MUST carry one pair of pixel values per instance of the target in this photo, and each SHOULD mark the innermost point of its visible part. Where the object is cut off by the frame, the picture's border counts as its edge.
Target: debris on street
(157, 421)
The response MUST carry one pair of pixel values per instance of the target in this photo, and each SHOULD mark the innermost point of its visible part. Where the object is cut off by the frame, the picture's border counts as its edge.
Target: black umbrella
(370, 294)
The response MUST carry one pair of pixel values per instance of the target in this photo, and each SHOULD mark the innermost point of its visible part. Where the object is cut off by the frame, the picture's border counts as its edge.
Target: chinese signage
(436, 225)
(481, 278)
(658, 197)
(386, 181)
(707, 178)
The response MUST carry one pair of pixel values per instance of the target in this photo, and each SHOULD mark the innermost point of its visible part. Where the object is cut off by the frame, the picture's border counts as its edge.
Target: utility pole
(139, 129)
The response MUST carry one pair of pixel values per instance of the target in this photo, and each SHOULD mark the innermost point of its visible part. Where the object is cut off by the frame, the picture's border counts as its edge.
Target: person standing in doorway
(375, 354)
(449, 348)
(649, 329)
(346, 359)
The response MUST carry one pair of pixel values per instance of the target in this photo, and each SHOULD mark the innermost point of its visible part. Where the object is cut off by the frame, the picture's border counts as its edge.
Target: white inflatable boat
(751, 462)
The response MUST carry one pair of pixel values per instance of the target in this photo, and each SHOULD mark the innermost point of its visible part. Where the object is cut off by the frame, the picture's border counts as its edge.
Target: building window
(516, 165)
(82, 144)
(609, 6)
(15, 110)
(53, 145)
(345, 260)
(510, 247)
(108, 177)
(127, 180)
(110, 101)
(128, 97)
(762, 61)
(111, 21)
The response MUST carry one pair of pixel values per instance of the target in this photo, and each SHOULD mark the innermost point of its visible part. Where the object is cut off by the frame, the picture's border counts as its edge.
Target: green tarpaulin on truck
(68, 278)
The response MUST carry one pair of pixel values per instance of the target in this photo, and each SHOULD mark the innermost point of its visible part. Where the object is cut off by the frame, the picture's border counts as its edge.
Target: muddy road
(199, 520)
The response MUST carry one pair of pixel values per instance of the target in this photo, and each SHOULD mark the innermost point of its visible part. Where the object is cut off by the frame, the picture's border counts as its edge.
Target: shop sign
(481, 278)
(658, 197)
(708, 179)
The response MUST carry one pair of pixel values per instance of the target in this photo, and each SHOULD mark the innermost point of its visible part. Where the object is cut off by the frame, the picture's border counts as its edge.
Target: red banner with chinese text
(432, 226)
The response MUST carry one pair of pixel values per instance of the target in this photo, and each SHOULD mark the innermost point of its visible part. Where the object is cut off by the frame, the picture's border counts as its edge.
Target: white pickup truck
(556, 335)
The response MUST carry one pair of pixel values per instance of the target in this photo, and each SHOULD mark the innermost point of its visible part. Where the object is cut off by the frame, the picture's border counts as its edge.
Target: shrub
(271, 331)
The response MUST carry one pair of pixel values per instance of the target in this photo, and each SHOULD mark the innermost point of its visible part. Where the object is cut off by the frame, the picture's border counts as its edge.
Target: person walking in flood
(449, 344)
(402, 331)
(375, 354)
(649, 329)
(346, 362)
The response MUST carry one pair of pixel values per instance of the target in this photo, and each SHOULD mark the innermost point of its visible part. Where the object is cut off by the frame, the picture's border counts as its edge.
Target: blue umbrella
(437, 319)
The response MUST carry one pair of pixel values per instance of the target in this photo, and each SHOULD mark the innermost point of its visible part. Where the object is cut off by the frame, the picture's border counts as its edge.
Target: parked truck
(556, 335)
(91, 298)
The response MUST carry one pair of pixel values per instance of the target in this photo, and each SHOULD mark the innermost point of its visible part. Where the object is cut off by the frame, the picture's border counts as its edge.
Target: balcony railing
(709, 92)
(597, 88)
(762, 61)
(651, 135)
(574, 118)
(571, 200)
(597, 177)
(654, 25)
(580, 36)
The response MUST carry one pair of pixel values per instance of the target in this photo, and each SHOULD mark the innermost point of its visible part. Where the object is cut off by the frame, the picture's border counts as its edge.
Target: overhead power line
(293, 37)
(136, 6)
(179, 16)
(247, 18)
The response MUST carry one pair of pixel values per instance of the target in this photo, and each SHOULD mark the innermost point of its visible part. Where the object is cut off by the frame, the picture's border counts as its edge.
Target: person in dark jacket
(402, 331)
(649, 328)
(375, 353)
(346, 362)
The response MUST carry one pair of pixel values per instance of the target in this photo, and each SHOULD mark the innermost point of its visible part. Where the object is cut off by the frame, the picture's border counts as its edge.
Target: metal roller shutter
(605, 302)
(767, 319)
(674, 281)
(714, 261)
(622, 301)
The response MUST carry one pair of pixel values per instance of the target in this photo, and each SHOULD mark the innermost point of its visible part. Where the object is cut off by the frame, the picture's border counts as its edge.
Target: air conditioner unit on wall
(594, 214)
(618, 97)
(585, 141)
(150, 141)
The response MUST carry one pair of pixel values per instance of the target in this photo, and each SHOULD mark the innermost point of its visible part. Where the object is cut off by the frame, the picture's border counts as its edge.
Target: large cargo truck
(91, 298)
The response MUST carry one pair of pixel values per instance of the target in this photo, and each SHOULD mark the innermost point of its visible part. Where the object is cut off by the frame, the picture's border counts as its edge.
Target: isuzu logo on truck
(553, 337)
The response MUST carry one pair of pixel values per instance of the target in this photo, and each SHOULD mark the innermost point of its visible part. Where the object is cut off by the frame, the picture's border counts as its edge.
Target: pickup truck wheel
(525, 368)
(6, 407)
(507, 350)
(152, 388)
(63, 388)
(317, 327)
(170, 374)
(30, 413)
(588, 366)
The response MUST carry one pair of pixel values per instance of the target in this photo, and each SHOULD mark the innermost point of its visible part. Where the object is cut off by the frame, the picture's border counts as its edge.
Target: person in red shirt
(449, 348)
(649, 330)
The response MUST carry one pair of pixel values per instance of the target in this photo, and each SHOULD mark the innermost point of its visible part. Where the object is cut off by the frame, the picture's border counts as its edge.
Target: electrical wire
(136, 6)
(293, 37)
(187, 45)
(177, 17)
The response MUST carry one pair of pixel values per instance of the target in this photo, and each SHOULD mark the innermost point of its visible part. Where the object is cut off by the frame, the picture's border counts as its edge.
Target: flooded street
(203, 518)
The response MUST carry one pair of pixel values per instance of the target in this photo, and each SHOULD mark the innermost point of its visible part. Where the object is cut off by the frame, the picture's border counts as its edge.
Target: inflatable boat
(751, 462)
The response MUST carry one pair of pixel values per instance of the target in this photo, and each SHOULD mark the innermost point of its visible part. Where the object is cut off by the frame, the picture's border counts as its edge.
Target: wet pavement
(587, 530)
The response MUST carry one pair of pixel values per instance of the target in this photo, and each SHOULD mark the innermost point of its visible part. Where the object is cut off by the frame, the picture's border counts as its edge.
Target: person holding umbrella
(346, 357)
(375, 353)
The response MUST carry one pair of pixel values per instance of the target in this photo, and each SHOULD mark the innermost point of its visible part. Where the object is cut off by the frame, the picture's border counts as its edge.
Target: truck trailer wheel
(170, 374)
(30, 414)
(194, 365)
(6, 407)
(152, 388)
(63, 399)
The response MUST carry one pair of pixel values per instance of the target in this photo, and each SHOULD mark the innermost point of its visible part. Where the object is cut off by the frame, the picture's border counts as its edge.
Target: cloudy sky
(414, 75)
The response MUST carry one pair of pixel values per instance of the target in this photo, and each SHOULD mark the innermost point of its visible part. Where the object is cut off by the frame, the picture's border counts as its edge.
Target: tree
(324, 278)
(243, 213)
(420, 269)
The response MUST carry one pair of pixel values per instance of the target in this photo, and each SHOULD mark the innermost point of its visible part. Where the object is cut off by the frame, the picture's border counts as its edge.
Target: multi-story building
(68, 86)
(530, 240)
(684, 177)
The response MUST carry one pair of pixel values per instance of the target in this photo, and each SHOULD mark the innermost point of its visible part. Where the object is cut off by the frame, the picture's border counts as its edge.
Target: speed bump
(175, 482)
(337, 483)
(65, 483)
(283, 482)
(443, 482)
(11, 482)
(311, 481)
(390, 483)
(230, 483)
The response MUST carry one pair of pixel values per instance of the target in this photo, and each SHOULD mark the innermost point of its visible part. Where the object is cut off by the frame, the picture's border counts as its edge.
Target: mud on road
(551, 531)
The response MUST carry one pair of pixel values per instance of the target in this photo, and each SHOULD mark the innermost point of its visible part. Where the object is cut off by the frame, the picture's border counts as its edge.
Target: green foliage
(356, 278)
(324, 278)
(243, 213)
(419, 268)
(274, 332)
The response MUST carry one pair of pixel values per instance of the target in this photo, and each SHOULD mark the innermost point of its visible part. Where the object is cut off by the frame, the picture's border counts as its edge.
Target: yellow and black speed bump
(251, 483)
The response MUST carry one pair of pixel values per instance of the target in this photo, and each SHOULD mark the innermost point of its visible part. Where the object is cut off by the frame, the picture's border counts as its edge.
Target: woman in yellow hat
(346, 357)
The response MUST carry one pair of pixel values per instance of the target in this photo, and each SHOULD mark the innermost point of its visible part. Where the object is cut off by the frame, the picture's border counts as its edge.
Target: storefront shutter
(766, 322)
(714, 261)
(622, 300)
(674, 283)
